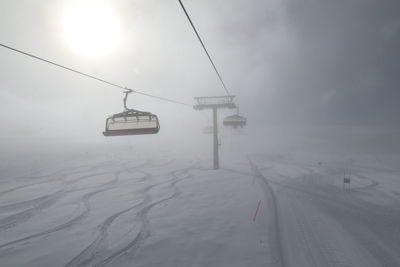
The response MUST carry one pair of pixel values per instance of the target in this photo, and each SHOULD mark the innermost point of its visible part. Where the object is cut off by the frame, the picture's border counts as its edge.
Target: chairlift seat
(131, 123)
(235, 121)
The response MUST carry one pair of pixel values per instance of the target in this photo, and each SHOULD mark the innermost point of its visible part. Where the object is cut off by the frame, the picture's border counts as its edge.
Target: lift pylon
(214, 103)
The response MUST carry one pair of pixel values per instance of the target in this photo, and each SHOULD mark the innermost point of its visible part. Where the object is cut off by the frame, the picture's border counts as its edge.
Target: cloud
(296, 63)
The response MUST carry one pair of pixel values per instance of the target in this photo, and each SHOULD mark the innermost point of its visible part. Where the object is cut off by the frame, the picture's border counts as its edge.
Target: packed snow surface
(138, 209)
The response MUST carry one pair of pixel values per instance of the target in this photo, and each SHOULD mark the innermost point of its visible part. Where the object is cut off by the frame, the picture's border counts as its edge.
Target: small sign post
(346, 180)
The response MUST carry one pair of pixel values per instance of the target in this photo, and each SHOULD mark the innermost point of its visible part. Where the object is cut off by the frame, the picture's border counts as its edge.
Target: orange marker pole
(258, 208)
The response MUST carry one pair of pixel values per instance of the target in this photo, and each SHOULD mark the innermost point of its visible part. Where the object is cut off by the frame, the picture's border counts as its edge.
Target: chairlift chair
(131, 122)
(235, 121)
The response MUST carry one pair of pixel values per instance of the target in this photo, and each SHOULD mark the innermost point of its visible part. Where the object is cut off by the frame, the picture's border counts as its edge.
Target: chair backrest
(131, 125)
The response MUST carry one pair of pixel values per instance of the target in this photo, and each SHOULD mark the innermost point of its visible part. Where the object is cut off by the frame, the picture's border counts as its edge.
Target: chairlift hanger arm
(130, 111)
(127, 92)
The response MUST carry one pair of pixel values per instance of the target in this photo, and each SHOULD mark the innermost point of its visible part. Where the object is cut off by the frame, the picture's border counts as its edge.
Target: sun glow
(91, 28)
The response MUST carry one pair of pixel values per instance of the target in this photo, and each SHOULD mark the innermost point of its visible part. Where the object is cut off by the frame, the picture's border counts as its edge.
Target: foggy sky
(291, 63)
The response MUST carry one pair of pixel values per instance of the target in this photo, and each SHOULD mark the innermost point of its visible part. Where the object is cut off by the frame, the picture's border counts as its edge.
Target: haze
(315, 79)
(308, 65)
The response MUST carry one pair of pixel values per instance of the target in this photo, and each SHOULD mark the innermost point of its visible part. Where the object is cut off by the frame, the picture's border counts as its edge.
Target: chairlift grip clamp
(127, 92)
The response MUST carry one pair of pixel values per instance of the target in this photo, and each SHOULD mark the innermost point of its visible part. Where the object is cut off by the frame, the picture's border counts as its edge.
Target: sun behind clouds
(91, 28)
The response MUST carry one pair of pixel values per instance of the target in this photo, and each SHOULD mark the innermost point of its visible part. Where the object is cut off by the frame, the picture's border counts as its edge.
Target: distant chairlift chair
(235, 121)
(131, 122)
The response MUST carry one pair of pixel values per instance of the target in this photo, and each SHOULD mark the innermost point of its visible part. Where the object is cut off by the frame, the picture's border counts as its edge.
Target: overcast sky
(297, 63)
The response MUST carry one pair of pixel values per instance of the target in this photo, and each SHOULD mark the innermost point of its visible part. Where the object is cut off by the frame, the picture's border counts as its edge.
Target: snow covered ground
(140, 209)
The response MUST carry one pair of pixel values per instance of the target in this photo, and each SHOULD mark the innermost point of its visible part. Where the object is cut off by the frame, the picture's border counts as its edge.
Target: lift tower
(214, 103)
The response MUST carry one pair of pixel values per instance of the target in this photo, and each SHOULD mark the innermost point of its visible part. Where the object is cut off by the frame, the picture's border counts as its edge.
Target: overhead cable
(93, 77)
(205, 49)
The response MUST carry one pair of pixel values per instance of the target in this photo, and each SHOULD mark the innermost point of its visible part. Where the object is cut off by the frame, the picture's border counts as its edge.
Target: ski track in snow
(145, 230)
(28, 203)
(373, 227)
(46, 201)
(275, 245)
(57, 176)
(72, 222)
(97, 252)
(20, 217)
(299, 204)
(40, 203)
